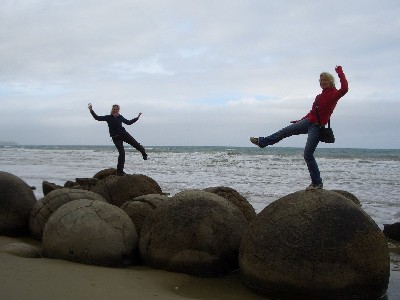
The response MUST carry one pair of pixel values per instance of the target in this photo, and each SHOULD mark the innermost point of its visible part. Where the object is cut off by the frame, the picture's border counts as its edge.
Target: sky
(201, 72)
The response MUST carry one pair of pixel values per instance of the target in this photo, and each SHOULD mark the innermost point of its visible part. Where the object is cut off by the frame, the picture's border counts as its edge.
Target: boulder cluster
(309, 244)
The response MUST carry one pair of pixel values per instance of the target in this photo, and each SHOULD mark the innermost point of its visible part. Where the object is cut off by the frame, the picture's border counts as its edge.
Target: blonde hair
(329, 77)
(115, 105)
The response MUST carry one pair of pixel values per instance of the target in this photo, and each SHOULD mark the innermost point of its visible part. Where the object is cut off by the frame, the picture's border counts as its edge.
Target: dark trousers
(119, 143)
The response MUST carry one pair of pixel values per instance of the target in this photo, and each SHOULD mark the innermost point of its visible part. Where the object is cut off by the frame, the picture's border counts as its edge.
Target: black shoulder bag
(325, 133)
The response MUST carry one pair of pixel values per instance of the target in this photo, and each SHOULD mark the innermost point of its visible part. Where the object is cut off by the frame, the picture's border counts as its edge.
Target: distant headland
(6, 143)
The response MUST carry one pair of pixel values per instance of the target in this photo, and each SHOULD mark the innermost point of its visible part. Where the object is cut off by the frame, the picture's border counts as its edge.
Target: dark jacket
(114, 123)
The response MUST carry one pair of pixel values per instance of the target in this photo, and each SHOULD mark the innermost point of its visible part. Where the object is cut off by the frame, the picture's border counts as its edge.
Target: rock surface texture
(315, 245)
(194, 232)
(45, 207)
(91, 232)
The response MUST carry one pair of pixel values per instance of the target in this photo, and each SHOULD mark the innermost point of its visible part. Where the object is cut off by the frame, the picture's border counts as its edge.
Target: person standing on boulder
(309, 124)
(119, 135)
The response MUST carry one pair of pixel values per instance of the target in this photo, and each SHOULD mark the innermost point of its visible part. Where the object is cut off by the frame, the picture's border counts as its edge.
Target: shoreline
(43, 278)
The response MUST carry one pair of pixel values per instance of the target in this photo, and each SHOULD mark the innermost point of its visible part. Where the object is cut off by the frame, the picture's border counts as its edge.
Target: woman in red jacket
(327, 101)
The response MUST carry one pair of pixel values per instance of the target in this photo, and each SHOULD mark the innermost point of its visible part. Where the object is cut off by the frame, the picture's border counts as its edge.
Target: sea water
(260, 175)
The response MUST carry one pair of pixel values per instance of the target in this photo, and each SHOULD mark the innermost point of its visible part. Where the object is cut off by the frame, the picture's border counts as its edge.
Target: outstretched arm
(130, 122)
(96, 117)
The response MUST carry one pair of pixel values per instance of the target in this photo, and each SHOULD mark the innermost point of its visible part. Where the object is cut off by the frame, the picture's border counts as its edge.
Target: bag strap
(316, 110)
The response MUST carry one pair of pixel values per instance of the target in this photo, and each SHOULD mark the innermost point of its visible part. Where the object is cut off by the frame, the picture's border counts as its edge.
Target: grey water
(260, 175)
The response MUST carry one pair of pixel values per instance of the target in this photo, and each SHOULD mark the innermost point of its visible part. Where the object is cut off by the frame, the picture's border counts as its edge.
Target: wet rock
(194, 232)
(91, 232)
(315, 245)
(16, 202)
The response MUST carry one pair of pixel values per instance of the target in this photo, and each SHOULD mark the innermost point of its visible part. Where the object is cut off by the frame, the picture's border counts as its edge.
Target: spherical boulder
(139, 208)
(45, 207)
(16, 202)
(315, 245)
(91, 232)
(119, 189)
(235, 198)
(194, 232)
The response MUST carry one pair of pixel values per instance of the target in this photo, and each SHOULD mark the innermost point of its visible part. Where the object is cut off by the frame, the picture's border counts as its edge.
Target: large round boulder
(91, 232)
(45, 207)
(119, 189)
(315, 245)
(195, 232)
(16, 202)
(235, 198)
(139, 208)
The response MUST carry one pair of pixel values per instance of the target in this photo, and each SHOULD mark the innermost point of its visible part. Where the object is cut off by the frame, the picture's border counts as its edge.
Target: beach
(49, 279)
(45, 279)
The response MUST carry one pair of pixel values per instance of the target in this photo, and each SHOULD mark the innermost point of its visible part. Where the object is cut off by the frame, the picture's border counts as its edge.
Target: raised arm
(344, 85)
(96, 117)
(130, 122)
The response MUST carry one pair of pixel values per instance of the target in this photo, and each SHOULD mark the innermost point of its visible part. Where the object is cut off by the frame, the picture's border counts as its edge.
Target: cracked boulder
(139, 208)
(235, 198)
(45, 207)
(315, 245)
(194, 232)
(91, 232)
(119, 189)
(16, 202)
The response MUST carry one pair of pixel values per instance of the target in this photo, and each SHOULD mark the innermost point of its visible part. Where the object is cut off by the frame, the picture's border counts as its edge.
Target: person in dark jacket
(327, 101)
(119, 135)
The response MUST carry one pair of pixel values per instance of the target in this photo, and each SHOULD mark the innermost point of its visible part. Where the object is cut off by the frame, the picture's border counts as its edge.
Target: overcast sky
(201, 72)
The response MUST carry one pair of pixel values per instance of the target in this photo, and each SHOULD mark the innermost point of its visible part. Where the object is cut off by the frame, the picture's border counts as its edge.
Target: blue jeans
(300, 127)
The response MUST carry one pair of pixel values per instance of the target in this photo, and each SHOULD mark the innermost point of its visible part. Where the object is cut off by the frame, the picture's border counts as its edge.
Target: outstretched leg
(300, 127)
(135, 144)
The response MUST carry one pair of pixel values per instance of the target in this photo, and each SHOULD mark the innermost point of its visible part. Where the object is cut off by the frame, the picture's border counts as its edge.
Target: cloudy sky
(202, 72)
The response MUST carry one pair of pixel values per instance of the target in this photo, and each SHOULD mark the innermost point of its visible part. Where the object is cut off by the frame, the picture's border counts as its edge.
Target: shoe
(315, 186)
(254, 140)
(144, 156)
(121, 173)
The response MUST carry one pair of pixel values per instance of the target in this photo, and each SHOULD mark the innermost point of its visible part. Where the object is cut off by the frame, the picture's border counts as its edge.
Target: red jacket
(327, 101)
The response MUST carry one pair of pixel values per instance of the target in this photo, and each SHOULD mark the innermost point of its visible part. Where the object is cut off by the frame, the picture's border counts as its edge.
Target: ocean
(260, 175)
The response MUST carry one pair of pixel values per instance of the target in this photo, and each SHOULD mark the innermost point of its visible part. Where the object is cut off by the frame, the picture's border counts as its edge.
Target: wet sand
(45, 279)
